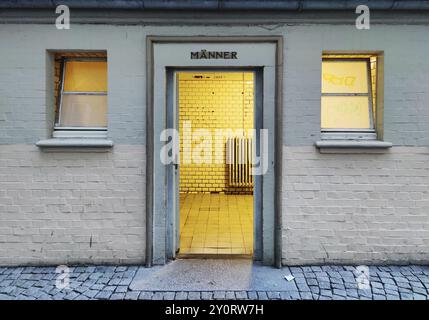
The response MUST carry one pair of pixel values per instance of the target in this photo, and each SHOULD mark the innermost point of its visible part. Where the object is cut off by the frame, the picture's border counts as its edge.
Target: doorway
(263, 55)
(216, 198)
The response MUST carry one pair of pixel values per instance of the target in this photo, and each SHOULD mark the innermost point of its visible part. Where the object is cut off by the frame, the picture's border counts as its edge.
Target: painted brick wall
(356, 208)
(71, 207)
(213, 101)
(388, 228)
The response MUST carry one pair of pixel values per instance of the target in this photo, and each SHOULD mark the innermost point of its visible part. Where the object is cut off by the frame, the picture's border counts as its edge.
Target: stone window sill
(84, 144)
(352, 146)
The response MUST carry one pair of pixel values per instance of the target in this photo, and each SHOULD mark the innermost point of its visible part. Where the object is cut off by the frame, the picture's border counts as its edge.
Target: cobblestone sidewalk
(317, 282)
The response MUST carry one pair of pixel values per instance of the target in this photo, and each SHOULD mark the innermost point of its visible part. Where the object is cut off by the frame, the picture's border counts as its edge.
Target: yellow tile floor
(213, 223)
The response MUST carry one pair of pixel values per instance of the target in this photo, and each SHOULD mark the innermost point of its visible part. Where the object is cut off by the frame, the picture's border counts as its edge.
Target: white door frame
(264, 53)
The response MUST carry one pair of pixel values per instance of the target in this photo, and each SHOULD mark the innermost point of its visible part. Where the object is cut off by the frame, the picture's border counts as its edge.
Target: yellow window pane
(83, 110)
(339, 112)
(344, 77)
(86, 76)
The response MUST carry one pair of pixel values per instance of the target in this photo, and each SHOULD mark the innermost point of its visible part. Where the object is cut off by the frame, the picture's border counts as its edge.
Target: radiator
(239, 151)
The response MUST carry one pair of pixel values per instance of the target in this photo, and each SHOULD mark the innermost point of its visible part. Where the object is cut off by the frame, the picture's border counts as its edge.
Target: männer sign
(204, 54)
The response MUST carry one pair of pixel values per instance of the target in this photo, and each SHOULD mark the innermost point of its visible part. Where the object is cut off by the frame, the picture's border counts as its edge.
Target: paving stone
(314, 289)
(306, 296)
(406, 296)
(117, 296)
(97, 286)
(132, 295)
(404, 285)
(114, 282)
(303, 287)
(103, 295)
(71, 295)
(339, 292)
(419, 290)
(417, 296)
(387, 281)
(194, 295)
(378, 285)
(206, 295)
(252, 295)
(241, 295)
(262, 295)
(312, 282)
(181, 295)
(218, 295)
(230, 295)
(125, 281)
(416, 284)
(90, 293)
(273, 295)
(295, 295)
(338, 286)
(145, 295)
(378, 291)
(169, 295)
(392, 292)
(158, 296)
(121, 269)
(122, 289)
(324, 285)
(326, 293)
(352, 293)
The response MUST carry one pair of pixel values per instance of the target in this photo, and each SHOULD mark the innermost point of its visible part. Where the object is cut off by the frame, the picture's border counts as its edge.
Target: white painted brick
(51, 217)
(360, 216)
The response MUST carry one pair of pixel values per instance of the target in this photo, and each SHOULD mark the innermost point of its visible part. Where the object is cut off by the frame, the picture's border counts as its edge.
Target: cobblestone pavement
(316, 282)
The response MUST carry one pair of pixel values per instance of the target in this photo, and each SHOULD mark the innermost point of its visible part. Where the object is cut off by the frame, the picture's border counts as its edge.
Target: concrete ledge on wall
(352, 146)
(75, 144)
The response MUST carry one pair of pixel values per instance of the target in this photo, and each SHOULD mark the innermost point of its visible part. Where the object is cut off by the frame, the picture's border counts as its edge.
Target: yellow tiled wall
(212, 100)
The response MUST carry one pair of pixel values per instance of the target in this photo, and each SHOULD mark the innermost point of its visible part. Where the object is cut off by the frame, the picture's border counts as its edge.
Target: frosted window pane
(344, 77)
(340, 112)
(85, 76)
(84, 110)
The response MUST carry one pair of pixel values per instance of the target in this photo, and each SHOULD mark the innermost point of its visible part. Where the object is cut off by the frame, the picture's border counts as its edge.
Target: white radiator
(239, 151)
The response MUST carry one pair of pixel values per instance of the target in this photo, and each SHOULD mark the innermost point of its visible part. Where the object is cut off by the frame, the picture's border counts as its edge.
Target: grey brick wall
(356, 208)
(336, 207)
(71, 207)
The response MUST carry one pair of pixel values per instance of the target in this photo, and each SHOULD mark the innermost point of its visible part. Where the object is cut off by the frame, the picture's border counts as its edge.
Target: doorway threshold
(211, 275)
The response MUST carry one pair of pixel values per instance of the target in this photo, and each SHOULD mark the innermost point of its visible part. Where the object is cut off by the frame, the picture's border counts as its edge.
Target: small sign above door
(204, 54)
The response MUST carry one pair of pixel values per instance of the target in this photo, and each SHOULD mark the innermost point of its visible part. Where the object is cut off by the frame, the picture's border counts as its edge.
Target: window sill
(352, 146)
(74, 144)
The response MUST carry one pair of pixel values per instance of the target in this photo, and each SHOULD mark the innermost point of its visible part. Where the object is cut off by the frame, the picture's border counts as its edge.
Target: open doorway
(216, 188)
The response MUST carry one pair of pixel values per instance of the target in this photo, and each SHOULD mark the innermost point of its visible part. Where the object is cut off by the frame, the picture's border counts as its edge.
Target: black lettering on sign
(204, 54)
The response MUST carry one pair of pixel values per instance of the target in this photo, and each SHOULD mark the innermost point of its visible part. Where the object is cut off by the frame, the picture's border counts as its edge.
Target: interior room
(216, 186)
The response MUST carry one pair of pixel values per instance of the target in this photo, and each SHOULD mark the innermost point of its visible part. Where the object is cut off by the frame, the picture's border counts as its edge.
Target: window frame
(72, 131)
(353, 133)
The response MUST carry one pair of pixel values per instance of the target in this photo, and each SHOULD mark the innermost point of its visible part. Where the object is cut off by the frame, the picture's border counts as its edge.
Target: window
(82, 103)
(348, 102)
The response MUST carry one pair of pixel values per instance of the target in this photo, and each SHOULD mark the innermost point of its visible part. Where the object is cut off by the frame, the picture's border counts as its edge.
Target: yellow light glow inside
(344, 77)
(85, 76)
(351, 112)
